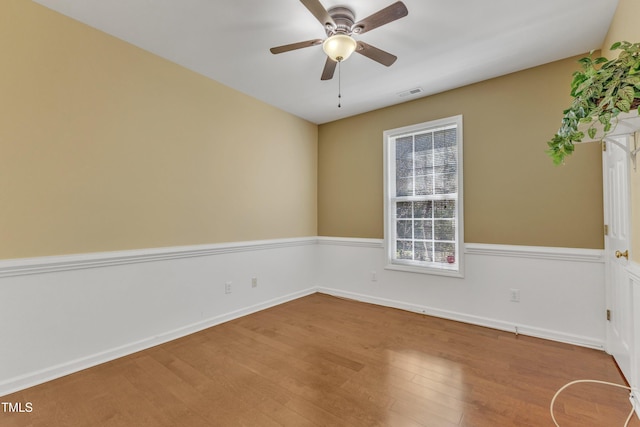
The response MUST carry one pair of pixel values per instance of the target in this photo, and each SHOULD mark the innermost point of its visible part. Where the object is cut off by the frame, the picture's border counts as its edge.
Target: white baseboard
(473, 320)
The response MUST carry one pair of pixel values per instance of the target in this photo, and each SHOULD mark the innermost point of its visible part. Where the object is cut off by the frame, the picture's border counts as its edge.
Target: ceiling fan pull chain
(339, 83)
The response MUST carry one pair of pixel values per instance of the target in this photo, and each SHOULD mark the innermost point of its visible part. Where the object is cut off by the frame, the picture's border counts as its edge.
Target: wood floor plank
(326, 361)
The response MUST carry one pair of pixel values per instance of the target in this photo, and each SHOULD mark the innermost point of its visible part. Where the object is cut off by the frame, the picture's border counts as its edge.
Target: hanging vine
(601, 91)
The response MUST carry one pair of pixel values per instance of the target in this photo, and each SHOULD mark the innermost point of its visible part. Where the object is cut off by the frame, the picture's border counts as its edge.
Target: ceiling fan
(338, 23)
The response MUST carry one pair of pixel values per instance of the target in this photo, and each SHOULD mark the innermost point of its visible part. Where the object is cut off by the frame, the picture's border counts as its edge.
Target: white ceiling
(441, 44)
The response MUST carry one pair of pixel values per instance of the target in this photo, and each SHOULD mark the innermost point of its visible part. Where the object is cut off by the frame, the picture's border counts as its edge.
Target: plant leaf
(623, 105)
(627, 93)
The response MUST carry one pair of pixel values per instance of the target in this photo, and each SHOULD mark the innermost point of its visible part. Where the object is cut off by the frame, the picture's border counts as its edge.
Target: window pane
(445, 160)
(444, 230)
(446, 184)
(423, 164)
(403, 209)
(424, 185)
(404, 166)
(423, 209)
(404, 148)
(404, 187)
(423, 229)
(423, 251)
(424, 142)
(404, 229)
(444, 208)
(404, 250)
(442, 252)
(423, 153)
(444, 138)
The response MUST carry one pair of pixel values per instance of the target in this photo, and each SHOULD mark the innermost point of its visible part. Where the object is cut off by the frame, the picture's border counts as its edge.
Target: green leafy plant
(601, 91)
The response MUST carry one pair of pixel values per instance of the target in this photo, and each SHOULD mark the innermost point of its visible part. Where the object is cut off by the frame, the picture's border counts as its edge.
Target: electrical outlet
(515, 295)
(374, 276)
(227, 287)
(254, 282)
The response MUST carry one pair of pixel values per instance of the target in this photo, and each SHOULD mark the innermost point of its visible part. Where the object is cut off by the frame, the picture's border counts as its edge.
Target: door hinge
(604, 145)
(608, 315)
(606, 230)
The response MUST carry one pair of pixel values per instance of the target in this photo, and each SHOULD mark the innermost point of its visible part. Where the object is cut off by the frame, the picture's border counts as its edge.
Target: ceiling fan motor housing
(344, 19)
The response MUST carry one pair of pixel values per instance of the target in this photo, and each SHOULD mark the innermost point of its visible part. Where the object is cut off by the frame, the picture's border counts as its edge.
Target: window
(423, 197)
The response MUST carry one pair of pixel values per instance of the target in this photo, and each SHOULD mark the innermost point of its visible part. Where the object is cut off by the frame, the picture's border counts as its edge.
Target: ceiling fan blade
(329, 69)
(389, 14)
(294, 46)
(317, 9)
(378, 55)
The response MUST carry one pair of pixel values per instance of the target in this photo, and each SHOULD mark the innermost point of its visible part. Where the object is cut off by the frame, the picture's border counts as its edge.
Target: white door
(617, 241)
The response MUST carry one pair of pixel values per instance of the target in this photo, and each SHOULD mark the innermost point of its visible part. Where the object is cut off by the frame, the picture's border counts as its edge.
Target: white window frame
(389, 137)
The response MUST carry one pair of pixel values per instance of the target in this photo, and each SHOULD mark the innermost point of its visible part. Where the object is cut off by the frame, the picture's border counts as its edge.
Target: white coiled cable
(626, 424)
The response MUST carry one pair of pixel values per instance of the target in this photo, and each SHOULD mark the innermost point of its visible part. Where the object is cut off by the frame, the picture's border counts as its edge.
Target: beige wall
(625, 27)
(106, 147)
(513, 192)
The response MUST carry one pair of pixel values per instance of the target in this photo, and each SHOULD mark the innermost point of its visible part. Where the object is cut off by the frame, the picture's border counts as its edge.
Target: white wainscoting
(562, 291)
(64, 314)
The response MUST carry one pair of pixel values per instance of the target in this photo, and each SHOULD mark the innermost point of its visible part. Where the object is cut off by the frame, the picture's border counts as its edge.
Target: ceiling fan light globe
(339, 47)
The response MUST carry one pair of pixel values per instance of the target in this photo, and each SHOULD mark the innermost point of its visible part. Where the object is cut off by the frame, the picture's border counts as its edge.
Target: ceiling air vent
(410, 92)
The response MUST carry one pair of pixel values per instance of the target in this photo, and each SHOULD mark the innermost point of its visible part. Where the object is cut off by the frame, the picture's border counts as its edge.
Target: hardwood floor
(324, 361)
